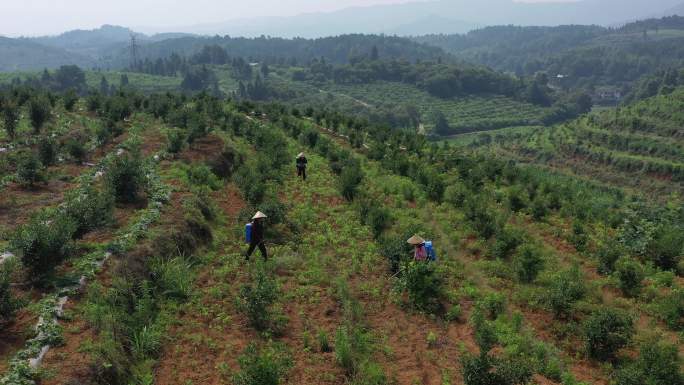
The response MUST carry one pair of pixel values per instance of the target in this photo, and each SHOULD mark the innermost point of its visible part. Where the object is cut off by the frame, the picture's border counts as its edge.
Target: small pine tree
(39, 112)
(10, 118)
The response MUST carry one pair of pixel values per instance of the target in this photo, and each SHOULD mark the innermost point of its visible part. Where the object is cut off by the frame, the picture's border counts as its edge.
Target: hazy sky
(35, 17)
(40, 17)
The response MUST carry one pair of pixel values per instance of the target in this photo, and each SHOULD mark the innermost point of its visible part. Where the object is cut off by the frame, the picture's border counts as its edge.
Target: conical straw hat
(415, 240)
(259, 215)
(301, 155)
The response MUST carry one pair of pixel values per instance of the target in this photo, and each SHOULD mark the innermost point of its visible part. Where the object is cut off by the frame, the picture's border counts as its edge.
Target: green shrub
(257, 298)
(276, 210)
(670, 309)
(89, 208)
(539, 208)
(227, 162)
(370, 373)
(630, 274)
(265, 366)
(29, 169)
(350, 179)
(177, 139)
(506, 241)
(423, 284)
(517, 201)
(485, 333)
(76, 149)
(94, 101)
(10, 111)
(201, 175)
(70, 99)
(608, 254)
(44, 242)
(375, 216)
(483, 220)
(396, 250)
(578, 236)
(658, 364)
(202, 202)
(528, 263)
(192, 233)
(456, 194)
(566, 288)
(454, 313)
(111, 362)
(251, 182)
(493, 304)
(606, 331)
(666, 248)
(125, 177)
(486, 370)
(8, 303)
(47, 151)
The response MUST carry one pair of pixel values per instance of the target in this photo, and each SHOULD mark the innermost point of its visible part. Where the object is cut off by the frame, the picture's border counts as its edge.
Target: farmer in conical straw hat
(257, 236)
(420, 254)
(301, 165)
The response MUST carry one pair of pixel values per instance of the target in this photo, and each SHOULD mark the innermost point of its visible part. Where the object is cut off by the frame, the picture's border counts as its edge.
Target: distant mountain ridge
(413, 18)
(106, 47)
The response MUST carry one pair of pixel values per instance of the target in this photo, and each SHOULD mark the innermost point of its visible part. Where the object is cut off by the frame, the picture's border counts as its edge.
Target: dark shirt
(257, 231)
(301, 162)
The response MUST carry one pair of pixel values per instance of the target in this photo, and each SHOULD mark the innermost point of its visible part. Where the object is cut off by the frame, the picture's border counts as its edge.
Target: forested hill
(107, 47)
(26, 55)
(337, 49)
(582, 55)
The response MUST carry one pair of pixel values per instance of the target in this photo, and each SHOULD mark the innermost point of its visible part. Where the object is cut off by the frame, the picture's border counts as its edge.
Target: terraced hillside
(463, 114)
(540, 278)
(641, 145)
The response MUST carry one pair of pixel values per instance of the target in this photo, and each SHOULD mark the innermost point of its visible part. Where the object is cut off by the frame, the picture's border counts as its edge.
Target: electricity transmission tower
(133, 48)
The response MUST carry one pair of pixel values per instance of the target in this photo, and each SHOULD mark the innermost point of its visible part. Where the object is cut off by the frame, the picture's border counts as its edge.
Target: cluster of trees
(200, 78)
(65, 78)
(172, 65)
(662, 82)
(176, 65)
(439, 79)
(297, 51)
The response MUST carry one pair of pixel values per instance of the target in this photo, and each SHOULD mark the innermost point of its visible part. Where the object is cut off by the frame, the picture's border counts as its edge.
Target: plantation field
(470, 113)
(644, 139)
(125, 215)
(464, 114)
(143, 82)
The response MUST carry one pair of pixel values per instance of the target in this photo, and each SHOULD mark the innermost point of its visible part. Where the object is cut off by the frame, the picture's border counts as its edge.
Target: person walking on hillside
(256, 237)
(301, 165)
(419, 252)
